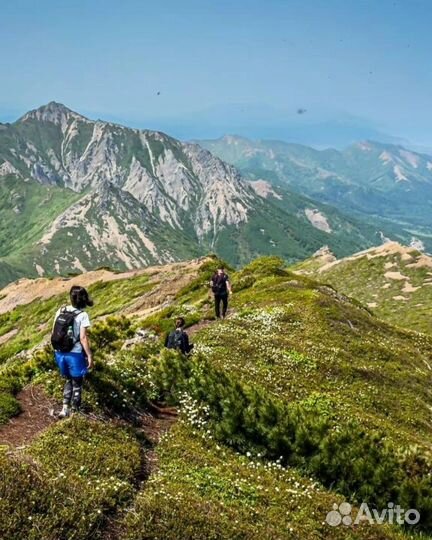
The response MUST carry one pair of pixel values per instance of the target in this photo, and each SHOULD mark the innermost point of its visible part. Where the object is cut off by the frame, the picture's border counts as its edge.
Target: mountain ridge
(392, 280)
(384, 183)
(144, 198)
(300, 400)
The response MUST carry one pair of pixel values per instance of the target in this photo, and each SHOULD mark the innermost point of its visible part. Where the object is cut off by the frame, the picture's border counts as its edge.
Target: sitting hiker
(221, 288)
(72, 347)
(178, 338)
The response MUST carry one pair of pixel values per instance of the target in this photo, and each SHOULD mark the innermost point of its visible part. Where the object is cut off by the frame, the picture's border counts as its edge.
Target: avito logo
(342, 515)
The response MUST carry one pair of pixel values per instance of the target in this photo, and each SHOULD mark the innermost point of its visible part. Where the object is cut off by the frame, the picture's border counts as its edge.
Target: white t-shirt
(82, 319)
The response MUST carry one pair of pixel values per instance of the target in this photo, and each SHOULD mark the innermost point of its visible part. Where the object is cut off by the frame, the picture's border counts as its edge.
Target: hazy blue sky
(110, 58)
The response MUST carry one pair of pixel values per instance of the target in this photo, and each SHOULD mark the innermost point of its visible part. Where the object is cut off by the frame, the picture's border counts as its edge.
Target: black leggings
(72, 391)
(218, 299)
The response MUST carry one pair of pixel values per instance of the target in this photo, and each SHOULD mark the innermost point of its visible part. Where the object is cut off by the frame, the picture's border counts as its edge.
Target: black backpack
(219, 284)
(62, 337)
(175, 340)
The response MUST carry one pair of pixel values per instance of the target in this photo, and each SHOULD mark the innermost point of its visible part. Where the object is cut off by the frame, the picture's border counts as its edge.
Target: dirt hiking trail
(37, 414)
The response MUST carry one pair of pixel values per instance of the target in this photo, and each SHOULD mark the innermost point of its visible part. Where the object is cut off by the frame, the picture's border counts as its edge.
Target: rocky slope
(56, 146)
(76, 194)
(370, 179)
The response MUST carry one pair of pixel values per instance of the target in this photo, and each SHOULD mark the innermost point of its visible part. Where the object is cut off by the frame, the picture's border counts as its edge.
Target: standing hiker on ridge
(178, 338)
(72, 347)
(221, 288)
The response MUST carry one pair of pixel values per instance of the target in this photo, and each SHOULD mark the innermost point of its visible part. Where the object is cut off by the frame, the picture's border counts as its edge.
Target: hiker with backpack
(221, 288)
(178, 338)
(72, 347)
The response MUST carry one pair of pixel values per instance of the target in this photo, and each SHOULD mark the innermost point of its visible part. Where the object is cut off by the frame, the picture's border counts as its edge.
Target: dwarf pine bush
(9, 407)
(362, 465)
(107, 332)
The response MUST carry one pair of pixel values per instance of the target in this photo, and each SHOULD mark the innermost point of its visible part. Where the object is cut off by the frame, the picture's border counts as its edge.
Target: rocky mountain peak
(127, 198)
(53, 112)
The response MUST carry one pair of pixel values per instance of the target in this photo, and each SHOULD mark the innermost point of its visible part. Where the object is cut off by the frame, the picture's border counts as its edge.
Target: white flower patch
(201, 348)
(268, 318)
(194, 413)
(185, 309)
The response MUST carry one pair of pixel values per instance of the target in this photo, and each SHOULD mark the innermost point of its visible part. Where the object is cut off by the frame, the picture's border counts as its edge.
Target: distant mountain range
(382, 183)
(77, 194)
(308, 125)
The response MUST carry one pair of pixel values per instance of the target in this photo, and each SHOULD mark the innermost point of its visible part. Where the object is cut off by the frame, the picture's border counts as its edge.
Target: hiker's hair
(180, 322)
(79, 297)
(221, 267)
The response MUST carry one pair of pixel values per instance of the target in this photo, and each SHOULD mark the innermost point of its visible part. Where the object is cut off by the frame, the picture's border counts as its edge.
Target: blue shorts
(71, 364)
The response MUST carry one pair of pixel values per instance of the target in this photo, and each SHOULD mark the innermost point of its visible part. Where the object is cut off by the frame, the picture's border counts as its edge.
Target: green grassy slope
(9, 272)
(393, 281)
(299, 400)
(27, 208)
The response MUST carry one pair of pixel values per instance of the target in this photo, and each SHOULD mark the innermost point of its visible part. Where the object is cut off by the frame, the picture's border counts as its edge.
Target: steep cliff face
(55, 145)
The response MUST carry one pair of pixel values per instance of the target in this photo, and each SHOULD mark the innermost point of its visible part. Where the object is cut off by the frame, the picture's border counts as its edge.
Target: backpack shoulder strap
(75, 314)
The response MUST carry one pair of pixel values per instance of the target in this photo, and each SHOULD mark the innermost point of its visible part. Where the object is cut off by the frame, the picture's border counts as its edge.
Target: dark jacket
(219, 284)
(178, 339)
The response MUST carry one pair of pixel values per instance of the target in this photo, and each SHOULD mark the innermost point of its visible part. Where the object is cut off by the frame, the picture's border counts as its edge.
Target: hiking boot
(65, 412)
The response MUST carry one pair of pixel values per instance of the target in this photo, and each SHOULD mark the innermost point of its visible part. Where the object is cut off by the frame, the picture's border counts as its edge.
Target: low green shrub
(265, 266)
(245, 281)
(118, 384)
(105, 334)
(9, 407)
(16, 374)
(28, 503)
(360, 464)
(84, 470)
(88, 449)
